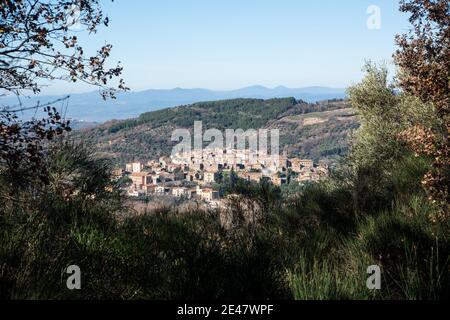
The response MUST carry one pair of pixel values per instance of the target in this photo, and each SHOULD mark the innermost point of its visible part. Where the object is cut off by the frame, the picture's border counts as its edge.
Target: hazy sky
(234, 43)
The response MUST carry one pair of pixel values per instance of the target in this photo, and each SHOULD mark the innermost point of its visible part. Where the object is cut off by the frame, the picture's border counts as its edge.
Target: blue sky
(235, 43)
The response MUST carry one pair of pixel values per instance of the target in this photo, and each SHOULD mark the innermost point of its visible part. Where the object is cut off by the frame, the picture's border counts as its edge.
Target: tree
(37, 44)
(376, 152)
(424, 71)
(22, 145)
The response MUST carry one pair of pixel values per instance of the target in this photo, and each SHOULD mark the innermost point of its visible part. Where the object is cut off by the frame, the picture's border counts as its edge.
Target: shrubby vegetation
(303, 242)
(234, 114)
(311, 242)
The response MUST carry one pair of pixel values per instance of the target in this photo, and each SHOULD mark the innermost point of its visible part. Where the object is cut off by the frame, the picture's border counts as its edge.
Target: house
(278, 181)
(250, 176)
(210, 176)
(308, 176)
(306, 163)
(179, 192)
(191, 193)
(136, 167)
(161, 190)
(152, 164)
(282, 163)
(255, 167)
(192, 176)
(183, 192)
(135, 193)
(139, 179)
(149, 189)
(207, 194)
(295, 164)
(198, 166)
(117, 173)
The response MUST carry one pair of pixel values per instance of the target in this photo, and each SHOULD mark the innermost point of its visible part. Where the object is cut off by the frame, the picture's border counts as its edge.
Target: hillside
(91, 107)
(317, 131)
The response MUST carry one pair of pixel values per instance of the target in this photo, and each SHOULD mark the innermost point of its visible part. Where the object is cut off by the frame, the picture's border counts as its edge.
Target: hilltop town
(195, 175)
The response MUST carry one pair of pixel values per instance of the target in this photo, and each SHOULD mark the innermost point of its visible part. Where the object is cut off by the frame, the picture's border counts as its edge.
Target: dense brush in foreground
(312, 242)
(305, 247)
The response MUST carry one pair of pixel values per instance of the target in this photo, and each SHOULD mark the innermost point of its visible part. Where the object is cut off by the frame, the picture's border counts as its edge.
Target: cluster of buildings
(194, 175)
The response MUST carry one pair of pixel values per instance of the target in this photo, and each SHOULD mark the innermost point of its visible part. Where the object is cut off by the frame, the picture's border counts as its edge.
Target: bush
(414, 258)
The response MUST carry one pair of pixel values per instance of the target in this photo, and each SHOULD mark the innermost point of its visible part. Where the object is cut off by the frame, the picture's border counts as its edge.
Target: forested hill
(319, 130)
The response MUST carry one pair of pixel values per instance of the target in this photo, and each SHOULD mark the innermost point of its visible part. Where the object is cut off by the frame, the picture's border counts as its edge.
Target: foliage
(376, 148)
(414, 265)
(424, 62)
(22, 145)
(304, 242)
(308, 245)
(37, 42)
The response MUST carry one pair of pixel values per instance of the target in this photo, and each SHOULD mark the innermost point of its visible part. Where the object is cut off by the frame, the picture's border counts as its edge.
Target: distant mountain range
(89, 107)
